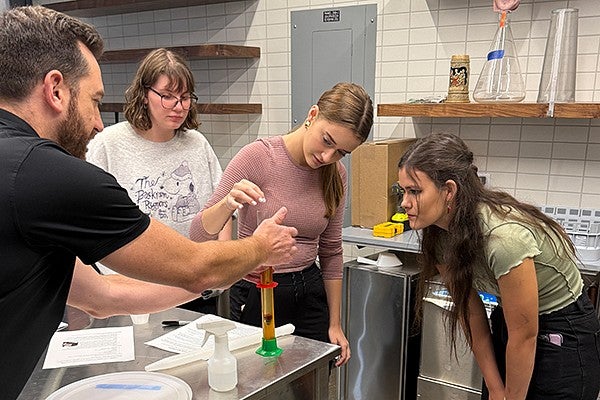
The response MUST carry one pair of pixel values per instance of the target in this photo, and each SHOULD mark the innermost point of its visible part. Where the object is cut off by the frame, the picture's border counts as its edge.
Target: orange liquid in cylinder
(268, 318)
(266, 276)
(266, 296)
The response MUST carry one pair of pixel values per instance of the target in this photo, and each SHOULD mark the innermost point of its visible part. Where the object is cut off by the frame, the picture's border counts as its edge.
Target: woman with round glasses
(167, 166)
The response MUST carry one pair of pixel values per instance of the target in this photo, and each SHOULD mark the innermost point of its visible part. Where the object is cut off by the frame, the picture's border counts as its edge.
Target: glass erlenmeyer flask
(500, 80)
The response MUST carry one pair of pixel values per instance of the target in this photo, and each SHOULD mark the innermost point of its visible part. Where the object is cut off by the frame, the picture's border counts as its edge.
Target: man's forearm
(163, 256)
(102, 296)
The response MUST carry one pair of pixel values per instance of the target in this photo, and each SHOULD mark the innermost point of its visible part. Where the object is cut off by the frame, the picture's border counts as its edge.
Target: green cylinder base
(269, 348)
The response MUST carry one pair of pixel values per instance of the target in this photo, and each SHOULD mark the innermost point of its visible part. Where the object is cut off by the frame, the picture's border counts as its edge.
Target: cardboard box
(374, 169)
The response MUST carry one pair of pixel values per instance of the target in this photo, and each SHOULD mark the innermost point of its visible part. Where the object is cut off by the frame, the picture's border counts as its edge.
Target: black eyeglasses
(169, 102)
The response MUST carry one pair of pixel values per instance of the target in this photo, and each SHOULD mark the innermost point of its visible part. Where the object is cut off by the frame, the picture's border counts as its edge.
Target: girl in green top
(544, 340)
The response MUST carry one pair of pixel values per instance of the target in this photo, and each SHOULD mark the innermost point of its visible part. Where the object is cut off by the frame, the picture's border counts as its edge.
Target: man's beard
(71, 132)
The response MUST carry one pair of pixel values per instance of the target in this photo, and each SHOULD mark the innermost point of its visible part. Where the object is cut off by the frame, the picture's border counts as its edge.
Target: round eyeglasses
(169, 101)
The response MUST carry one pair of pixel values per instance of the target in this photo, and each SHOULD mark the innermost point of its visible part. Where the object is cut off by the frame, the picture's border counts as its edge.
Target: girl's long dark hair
(443, 157)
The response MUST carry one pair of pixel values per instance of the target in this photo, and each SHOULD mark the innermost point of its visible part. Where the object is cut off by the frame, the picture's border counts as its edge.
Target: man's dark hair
(35, 40)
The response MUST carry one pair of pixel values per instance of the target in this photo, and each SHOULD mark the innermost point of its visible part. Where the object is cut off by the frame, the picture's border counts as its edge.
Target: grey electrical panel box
(331, 45)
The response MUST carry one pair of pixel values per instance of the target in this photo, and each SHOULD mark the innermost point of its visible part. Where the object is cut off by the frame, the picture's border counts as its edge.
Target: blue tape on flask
(495, 55)
(121, 386)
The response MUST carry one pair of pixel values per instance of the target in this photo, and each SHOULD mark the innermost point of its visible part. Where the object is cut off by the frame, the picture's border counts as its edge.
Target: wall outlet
(484, 177)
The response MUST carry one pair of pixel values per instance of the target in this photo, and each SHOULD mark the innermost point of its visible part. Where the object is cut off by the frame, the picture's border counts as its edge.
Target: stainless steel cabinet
(444, 375)
(378, 318)
(431, 389)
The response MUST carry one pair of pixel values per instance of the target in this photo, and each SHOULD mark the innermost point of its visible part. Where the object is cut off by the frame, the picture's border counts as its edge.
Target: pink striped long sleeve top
(267, 163)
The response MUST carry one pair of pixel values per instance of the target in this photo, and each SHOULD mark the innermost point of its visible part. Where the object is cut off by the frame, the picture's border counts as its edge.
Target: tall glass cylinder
(267, 301)
(266, 285)
(560, 59)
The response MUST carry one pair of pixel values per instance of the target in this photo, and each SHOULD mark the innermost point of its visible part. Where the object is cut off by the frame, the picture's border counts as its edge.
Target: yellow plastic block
(388, 229)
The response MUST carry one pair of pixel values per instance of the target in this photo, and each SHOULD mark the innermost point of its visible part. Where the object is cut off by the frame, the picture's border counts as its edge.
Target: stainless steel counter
(407, 241)
(301, 372)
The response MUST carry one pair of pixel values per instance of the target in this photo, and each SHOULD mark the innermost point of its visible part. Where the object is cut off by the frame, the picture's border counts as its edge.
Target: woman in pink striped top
(301, 171)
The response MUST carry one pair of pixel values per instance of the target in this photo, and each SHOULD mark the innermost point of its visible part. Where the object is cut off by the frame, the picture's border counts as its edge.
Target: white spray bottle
(222, 366)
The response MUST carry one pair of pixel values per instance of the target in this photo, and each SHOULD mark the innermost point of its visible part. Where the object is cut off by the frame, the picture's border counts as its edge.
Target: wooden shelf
(577, 110)
(94, 8)
(229, 108)
(203, 51)
(482, 110)
(112, 107)
(202, 108)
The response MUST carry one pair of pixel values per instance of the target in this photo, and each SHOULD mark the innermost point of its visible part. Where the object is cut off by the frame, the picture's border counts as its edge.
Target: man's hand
(505, 5)
(278, 239)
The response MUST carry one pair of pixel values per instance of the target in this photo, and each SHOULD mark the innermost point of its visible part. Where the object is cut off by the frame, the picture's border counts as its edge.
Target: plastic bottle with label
(500, 79)
(222, 366)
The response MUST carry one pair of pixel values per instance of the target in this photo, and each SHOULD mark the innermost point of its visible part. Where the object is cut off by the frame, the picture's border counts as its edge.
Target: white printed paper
(90, 346)
(189, 338)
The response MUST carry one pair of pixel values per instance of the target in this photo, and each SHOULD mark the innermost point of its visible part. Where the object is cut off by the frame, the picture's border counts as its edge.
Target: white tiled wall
(544, 161)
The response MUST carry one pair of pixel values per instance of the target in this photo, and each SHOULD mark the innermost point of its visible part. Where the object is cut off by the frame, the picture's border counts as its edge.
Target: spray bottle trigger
(215, 328)
(206, 336)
